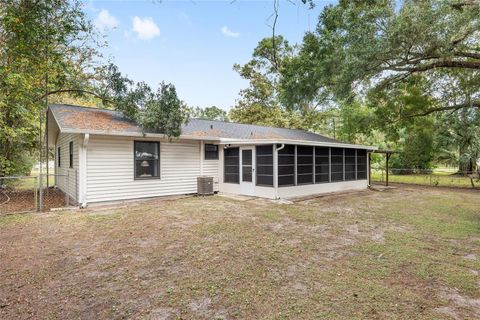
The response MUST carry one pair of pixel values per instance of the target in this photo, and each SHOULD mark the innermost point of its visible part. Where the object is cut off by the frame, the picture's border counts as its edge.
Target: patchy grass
(403, 253)
(436, 179)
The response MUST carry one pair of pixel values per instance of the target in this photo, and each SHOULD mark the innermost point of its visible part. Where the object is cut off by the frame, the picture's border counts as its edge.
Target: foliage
(45, 47)
(382, 64)
(261, 102)
(209, 113)
(417, 146)
(459, 139)
(375, 45)
(161, 111)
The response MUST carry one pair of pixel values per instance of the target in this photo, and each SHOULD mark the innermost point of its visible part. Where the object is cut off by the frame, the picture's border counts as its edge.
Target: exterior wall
(110, 169)
(66, 178)
(211, 169)
(290, 191)
(311, 189)
(234, 188)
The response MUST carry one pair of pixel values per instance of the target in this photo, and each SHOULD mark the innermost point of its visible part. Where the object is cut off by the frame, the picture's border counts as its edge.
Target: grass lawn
(405, 253)
(442, 179)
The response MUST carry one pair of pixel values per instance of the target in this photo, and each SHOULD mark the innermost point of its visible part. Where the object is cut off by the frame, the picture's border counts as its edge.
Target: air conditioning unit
(205, 186)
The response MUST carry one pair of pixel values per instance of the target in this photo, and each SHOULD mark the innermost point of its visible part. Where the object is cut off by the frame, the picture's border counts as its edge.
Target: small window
(147, 159)
(211, 152)
(59, 156)
(70, 152)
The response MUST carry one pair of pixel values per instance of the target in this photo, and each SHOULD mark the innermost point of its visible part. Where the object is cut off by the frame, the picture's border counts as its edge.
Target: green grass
(405, 253)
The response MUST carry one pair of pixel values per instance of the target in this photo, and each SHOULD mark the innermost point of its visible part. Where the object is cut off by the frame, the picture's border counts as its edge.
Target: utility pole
(40, 201)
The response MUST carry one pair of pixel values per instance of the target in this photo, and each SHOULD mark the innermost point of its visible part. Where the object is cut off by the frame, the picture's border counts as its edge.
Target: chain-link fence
(446, 177)
(18, 194)
(36, 193)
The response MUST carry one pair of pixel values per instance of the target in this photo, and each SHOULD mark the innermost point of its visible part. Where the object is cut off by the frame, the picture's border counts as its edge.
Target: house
(102, 156)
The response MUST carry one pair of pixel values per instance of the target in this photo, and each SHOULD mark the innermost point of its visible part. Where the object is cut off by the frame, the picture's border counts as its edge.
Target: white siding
(110, 173)
(66, 178)
(211, 169)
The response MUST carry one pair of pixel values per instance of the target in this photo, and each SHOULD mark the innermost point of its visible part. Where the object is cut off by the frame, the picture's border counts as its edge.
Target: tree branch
(473, 55)
(103, 98)
(438, 64)
(473, 104)
(274, 49)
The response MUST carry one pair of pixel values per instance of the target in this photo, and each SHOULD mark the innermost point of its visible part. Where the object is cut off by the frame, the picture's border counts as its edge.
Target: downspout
(83, 172)
(275, 163)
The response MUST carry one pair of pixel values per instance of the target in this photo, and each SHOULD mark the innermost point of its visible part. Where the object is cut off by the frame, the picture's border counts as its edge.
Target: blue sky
(194, 44)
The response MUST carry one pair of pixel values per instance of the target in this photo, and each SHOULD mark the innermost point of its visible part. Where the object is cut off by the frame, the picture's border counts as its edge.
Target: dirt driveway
(397, 254)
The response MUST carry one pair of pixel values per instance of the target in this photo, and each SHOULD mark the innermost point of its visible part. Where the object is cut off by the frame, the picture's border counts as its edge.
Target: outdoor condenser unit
(205, 186)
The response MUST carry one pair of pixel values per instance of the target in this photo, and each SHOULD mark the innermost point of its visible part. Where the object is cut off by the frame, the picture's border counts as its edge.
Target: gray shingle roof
(90, 120)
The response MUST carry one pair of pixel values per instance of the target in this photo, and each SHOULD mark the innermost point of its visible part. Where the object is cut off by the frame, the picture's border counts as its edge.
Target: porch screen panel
(322, 164)
(231, 165)
(350, 167)
(247, 165)
(264, 156)
(361, 164)
(337, 164)
(304, 164)
(286, 166)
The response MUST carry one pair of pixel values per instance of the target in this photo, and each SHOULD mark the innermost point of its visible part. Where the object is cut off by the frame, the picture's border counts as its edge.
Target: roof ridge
(263, 126)
(77, 106)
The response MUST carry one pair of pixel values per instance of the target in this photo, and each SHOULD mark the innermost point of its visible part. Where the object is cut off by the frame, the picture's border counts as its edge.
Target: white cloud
(229, 33)
(105, 21)
(145, 28)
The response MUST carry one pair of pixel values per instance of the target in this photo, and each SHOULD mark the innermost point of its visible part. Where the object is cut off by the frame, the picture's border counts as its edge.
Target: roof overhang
(297, 142)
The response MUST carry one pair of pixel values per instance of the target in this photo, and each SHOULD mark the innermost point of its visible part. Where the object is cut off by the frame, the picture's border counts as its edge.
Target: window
(211, 152)
(337, 164)
(147, 159)
(361, 164)
(304, 164)
(70, 153)
(350, 167)
(286, 166)
(322, 164)
(264, 155)
(231, 165)
(59, 156)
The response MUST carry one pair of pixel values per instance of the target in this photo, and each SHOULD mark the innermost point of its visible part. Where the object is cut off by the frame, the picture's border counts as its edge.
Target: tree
(360, 46)
(46, 47)
(160, 112)
(209, 113)
(261, 102)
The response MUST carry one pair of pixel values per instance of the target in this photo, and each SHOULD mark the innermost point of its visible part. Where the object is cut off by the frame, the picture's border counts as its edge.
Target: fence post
(40, 192)
(35, 195)
(67, 186)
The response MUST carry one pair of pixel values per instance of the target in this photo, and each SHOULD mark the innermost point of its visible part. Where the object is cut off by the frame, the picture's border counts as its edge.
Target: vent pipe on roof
(211, 126)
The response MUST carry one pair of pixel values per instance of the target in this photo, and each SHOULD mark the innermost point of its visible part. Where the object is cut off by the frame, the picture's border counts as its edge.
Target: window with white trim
(147, 159)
